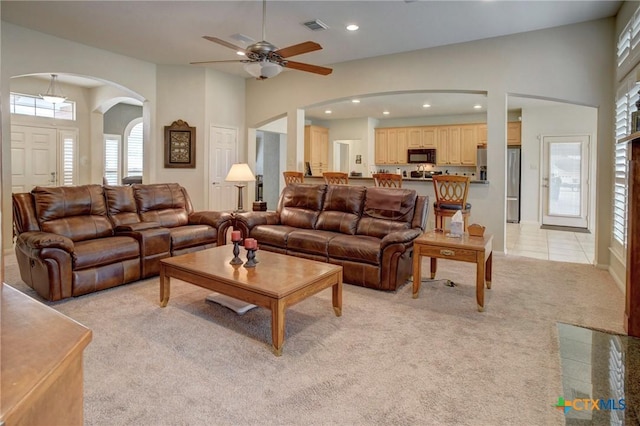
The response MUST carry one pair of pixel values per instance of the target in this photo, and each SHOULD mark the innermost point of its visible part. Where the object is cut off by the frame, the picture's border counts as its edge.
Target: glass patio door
(565, 181)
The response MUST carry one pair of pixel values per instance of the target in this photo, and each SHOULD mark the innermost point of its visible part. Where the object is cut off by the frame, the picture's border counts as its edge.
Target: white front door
(565, 180)
(223, 147)
(33, 157)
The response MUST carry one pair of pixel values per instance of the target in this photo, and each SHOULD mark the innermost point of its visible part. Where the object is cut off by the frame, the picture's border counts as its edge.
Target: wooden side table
(438, 245)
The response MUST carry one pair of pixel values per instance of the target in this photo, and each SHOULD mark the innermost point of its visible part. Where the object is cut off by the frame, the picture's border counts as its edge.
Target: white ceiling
(170, 32)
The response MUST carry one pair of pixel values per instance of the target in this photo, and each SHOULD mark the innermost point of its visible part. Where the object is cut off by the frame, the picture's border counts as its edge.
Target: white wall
(572, 63)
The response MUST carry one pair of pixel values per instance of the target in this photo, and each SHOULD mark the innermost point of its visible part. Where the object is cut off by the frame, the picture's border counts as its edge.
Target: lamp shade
(54, 93)
(240, 172)
(263, 69)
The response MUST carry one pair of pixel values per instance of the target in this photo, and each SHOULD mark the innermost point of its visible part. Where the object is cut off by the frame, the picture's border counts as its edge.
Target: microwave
(426, 155)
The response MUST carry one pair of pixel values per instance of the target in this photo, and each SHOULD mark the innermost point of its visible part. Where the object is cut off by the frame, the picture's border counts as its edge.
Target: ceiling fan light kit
(263, 69)
(264, 60)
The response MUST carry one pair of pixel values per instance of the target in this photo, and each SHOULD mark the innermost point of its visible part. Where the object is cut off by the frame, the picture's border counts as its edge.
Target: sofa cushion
(358, 248)
(342, 208)
(121, 205)
(386, 210)
(164, 203)
(104, 251)
(192, 235)
(310, 241)
(273, 235)
(300, 205)
(77, 212)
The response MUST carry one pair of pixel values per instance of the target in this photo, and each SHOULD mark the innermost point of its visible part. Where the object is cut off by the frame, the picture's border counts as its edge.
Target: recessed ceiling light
(477, 106)
(385, 112)
(328, 111)
(355, 101)
(352, 27)
(426, 105)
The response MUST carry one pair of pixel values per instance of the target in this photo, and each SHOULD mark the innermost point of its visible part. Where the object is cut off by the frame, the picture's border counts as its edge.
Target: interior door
(33, 157)
(565, 180)
(223, 147)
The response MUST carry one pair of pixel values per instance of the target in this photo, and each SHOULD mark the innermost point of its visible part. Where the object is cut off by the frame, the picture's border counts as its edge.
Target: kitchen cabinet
(482, 135)
(429, 137)
(414, 138)
(448, 148)
(316, 148)
(514, 129)
(391, 146)
(468, 145)
(381, 146)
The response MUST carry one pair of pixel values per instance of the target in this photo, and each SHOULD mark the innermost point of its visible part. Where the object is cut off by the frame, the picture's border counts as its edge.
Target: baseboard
(622, 285)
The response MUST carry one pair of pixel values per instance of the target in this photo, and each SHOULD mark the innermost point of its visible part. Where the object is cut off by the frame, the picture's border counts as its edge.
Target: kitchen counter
(364, 179)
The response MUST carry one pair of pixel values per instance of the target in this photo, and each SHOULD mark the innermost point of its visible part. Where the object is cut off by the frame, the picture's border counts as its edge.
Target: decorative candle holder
(236, 251)
(251, 245)
(251, 259)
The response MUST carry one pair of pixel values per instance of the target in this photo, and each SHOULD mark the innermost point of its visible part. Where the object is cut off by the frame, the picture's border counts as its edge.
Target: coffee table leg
(164, 287)
(480, 281)
(417, 272)
(337, 296)
(487, 273)
(277, 326)
(434, 267)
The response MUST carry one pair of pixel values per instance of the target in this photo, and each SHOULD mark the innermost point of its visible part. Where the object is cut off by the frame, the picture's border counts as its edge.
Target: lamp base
(240, 208)
(259, 206)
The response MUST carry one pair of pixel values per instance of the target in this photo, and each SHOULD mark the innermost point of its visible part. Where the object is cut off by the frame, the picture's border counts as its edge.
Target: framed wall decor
(179, 145)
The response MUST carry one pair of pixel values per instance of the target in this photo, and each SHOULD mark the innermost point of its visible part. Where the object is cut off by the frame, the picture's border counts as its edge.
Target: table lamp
(240, 172)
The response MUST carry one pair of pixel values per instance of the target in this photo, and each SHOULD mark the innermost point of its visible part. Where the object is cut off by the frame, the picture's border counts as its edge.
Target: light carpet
(390, 359)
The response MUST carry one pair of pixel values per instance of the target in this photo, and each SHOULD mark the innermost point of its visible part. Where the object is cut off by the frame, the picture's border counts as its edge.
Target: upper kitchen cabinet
(513, 133)
(448, 150)
(316, 148)
(421, 137)
(391, 146)
(482, 135)
(468, 145)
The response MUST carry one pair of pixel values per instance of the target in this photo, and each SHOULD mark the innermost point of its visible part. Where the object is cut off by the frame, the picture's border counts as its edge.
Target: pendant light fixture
(54, 93)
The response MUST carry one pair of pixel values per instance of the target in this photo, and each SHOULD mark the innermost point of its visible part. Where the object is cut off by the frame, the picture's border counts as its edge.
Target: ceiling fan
(264, 60)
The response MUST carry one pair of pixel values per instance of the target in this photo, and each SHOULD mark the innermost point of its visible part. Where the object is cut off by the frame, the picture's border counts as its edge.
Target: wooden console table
(438, 245)
(41, 364)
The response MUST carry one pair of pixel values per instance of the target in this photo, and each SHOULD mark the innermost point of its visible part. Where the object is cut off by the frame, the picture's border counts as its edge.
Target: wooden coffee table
(278, 281)
(438, 245)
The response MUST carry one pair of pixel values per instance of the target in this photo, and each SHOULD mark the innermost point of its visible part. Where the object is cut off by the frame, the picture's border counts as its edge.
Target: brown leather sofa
(367, 230)
(74, 240)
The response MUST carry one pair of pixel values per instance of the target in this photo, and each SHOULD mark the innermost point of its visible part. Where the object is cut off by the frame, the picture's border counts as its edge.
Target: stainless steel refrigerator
(513, 185)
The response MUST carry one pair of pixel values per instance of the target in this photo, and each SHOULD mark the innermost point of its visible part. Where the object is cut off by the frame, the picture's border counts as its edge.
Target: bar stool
(293, 177)
(390, 180)
(451, 197)
(336, 178)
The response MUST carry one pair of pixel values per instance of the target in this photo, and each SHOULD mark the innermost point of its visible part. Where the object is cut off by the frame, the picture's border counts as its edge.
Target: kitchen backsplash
(429, 168)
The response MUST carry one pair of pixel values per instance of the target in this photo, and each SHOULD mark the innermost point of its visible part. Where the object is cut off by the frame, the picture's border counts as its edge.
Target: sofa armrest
(400, 237)
(252, 219)
(136, 226)
(211, 218)
(37, 240)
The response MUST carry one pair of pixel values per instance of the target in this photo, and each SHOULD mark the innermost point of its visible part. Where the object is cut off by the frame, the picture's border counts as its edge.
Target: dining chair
(293, 177)
(451, 196)
(390, 180)
(336, 178)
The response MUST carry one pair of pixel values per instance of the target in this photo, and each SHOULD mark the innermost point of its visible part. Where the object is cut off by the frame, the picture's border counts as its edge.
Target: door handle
(215, 183)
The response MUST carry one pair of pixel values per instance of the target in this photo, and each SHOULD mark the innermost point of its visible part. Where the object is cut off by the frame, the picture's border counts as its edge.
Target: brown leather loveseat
(73, 240)
(367, 230)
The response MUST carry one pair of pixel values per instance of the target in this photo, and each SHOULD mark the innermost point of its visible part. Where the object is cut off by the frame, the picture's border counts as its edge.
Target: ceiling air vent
(315, 25)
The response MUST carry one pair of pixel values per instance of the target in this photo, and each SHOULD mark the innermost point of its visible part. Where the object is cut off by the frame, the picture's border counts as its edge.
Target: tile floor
(530, 241)
(602, 367)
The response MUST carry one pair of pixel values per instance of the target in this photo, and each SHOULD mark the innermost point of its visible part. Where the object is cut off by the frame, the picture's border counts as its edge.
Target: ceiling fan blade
(224, 43)
(217, 62)
(308, 67)
(298, 49)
